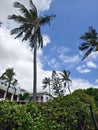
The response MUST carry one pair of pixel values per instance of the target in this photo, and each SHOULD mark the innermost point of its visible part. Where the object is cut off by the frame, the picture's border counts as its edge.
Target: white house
(42, 96)
(12, 95)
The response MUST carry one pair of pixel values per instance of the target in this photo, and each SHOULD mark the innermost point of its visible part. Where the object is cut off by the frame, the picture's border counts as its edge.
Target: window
(46, 98)
(41, 98)
(36, 98)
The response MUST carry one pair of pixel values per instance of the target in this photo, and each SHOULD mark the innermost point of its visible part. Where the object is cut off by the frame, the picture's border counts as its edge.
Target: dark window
(36, 98)
(41, 98)
(46, 98)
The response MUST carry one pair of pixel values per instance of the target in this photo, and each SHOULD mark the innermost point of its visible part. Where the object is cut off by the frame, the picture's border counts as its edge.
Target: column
(4, 95)
(12, 97)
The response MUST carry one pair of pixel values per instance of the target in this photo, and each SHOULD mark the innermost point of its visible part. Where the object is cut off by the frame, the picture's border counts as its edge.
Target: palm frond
(19, 34)
(19, 31)
(90, 36)
(18, 18)
(87, 53)
(40, 38)
(45, 86)
(22, 8)
(33, 40)
(33, 7)
(27, 34)
(16, 30)
(84, 46)
(46, 81)
(46, 19)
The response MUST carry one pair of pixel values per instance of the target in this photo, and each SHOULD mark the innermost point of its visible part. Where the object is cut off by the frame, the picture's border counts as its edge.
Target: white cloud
(46, 40)
(62, 50)
(69, 59)
(6, 7)
(53, 63)
(14, 53)
(81, 84)
(96, 81)
(91, 64)
(42, 4)
(83, 69)
(93, 56)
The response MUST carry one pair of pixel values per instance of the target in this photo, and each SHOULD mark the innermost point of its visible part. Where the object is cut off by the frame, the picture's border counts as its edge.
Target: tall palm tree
(30, 24)
(65, 78)
(8, 77)
(90, 43)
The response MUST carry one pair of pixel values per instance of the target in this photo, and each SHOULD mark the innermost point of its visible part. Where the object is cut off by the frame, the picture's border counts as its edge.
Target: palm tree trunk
(7, 90)
(35, 74)
(14, 92)
(69, 88)
(49, 87)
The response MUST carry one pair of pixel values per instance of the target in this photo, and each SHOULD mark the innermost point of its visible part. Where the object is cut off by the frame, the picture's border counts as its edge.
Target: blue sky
(73, 17)
(61, 39)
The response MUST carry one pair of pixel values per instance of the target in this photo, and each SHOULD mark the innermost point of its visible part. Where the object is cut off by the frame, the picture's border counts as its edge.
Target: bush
(70, 112)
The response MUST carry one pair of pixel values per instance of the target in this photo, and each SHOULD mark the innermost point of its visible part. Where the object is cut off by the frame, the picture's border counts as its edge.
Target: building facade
(13, 94)
(42, 97)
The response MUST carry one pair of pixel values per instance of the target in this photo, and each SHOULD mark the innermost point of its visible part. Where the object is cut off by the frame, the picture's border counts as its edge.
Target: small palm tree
(90, 43)
(8, 77)
(47, 83)
(30, 25)
(65, 79)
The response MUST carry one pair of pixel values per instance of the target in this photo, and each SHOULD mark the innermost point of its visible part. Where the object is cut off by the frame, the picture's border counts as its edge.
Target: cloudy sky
(61, 42)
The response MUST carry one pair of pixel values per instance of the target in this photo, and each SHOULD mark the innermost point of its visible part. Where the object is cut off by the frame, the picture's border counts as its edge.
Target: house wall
(42, 98)
(10, 95)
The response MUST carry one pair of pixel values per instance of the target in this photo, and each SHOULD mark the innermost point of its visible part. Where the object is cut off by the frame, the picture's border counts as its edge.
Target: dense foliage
(71, 112)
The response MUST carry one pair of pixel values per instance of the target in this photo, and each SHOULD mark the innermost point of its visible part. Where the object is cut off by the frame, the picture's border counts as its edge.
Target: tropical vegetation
(70, 112)
(77, 110)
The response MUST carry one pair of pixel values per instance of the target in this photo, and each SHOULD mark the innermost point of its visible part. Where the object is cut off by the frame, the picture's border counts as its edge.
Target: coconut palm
(65, 79)
(90, 43)
(30, 25)
(8, 77)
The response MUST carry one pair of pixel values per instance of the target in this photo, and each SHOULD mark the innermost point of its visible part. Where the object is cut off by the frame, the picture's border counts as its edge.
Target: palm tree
(8, 77)
(46, 82)
(15, 82)
(30, 25)
(90, 43)
(65, 78)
